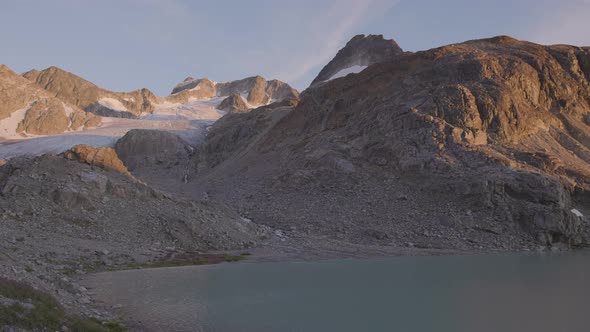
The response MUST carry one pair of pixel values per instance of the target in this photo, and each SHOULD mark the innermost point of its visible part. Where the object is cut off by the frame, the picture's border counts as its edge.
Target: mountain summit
(90, 97)
(27, 109)
(255, 91)
(361, 51)
(490, 134)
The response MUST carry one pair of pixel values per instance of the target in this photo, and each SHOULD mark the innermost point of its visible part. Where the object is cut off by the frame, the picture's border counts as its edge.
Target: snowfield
(113, 104)
(350, 70)
(190, 121)
(193, 110)
(8, 125)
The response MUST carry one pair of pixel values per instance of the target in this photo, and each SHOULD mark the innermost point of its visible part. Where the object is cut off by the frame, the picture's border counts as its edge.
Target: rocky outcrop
(84, 120)
(103, 157)
(141, 148)
(255, 90)
(76, 202)
(233, 103)
(201, 89)
(237, 131)
(45, 117)
(62, 217)
(360, 51)
(91, 98)
(486, 142)
(25, 109)
(187, 84)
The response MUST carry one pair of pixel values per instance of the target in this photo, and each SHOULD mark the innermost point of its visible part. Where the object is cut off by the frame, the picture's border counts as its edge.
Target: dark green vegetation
(27, 308)
(187, 259)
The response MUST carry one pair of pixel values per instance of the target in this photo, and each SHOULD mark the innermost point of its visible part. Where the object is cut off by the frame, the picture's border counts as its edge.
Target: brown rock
(257, 94)
(142, 148)
(84, 119)
(361, 50)
(197, 89)
(258, 91)
(86, 95)
(102, 157)
(46, 115)
(496, 126)
(233, 103)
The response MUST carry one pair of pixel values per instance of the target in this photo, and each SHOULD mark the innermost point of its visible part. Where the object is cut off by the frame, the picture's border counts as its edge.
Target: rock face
(141, 148)
(190, 83)
(62, 217)
(233, 103)
(91, 98)
(78, 201)
(360, 51)
(255, 90)
(236, 131)
(25, 108)
(487, 141)
(196, 89)
(103, 157)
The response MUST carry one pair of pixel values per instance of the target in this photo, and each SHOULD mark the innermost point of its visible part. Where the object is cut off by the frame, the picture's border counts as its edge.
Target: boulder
(141, 148)
(103, 157)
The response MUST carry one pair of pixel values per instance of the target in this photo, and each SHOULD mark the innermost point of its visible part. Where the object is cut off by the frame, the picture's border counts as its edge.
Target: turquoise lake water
(513, 292)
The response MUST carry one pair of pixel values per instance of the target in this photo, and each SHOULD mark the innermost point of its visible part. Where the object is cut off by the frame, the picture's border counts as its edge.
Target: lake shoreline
(292, 250)
(137, 317)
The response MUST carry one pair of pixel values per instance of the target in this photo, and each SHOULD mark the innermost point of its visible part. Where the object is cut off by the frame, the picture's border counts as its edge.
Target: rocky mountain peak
(90, 97)
(29, 109)
(255, 90)
(361, 51)
(233, 103)
(188, 83)
(486, 125)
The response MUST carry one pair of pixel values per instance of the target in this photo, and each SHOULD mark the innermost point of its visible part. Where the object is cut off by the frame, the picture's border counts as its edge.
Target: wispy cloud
(155, 43)
(338, 24)
(565, 22)
(326, 33)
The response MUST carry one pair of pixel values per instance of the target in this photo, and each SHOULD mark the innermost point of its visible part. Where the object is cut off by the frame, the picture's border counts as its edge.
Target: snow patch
(245, 98)
(195, 109)
(184, 83)
(107, 134)
(113, 104)
(245, 95)
(577, 213)
(350, 70)
(8, 125)
(190, 121)
(69, 110)
(52, 144)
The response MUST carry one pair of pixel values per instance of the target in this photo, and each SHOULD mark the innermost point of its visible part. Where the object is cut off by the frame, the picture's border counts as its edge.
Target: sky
(124, 45)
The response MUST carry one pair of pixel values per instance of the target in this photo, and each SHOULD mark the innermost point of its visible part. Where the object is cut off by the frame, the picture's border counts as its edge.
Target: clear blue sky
(127, 44)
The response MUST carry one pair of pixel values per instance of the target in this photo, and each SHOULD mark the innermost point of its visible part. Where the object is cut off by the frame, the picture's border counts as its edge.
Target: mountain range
(485, 139)
(54, 101)
(480, 146)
